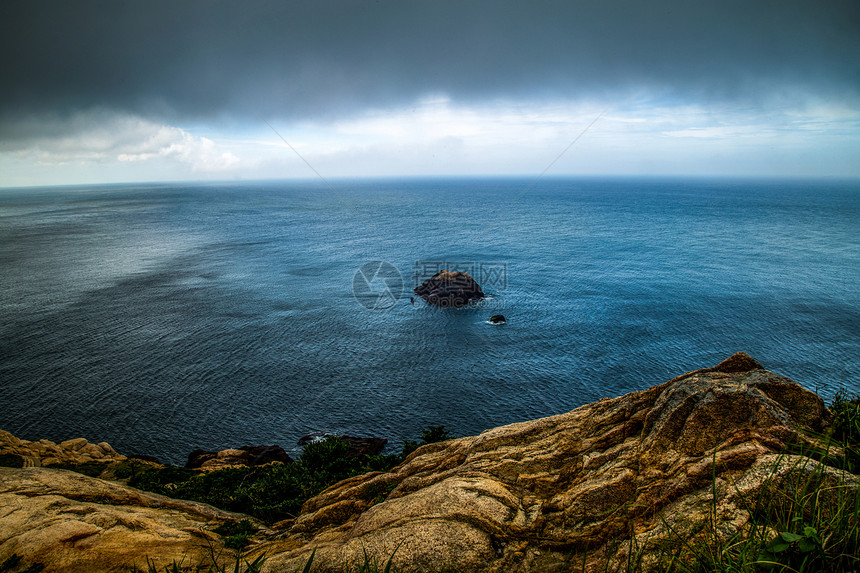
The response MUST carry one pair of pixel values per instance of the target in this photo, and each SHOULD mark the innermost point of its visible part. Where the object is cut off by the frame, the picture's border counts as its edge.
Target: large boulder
(450, 289)
(576, 491)
(73, 523)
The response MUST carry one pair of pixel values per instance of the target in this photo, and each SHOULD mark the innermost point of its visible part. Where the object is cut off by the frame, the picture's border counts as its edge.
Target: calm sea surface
(163, 318)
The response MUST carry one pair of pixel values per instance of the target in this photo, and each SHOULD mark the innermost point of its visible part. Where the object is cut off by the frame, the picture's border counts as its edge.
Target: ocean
(167, 317)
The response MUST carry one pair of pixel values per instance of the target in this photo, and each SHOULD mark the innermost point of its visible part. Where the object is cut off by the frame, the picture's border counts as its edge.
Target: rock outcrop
(73, 523)
(450, 289)
(24, 453)
(573, 488)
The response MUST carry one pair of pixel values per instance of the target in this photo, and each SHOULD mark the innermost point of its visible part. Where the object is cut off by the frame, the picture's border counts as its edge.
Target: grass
(805, 519)
(238, 565)
(269, 493)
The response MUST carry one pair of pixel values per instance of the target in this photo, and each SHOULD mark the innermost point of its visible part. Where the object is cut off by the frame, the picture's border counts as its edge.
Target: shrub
(430, 435)
(270, 493)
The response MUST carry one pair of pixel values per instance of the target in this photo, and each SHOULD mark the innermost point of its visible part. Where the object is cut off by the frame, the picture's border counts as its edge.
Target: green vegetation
(370, 565)
(236, 534)
(846, 429)
(90, 469)
(274, 492)
(431, 435)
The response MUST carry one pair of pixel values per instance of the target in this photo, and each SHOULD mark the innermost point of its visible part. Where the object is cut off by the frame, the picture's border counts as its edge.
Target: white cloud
(98, 138)
(437, 136)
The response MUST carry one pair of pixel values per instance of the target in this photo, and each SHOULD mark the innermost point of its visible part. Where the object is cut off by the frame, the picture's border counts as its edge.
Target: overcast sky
(133, 91)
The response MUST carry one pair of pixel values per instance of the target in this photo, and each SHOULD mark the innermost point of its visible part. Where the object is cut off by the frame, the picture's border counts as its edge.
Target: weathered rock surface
(450, 289)
(72, 523)
(573, 488)
(244, 456)
(24, 453)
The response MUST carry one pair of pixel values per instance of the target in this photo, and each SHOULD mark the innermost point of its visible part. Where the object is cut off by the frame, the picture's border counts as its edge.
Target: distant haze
(130, 91)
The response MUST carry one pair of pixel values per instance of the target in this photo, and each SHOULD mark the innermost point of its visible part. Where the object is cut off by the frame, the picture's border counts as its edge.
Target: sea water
(163, 318)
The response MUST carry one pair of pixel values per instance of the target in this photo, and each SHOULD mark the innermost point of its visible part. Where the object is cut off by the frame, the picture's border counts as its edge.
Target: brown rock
(225, 459)
(106, 448)
(72, 523)
(45, 452)
(569, 489)
(569, 492)
(449, 289)
(75, 444)
(7, 439)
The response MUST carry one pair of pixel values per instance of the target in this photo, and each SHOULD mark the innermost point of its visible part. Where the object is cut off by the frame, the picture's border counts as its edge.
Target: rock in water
(450, 289)
(498, 319)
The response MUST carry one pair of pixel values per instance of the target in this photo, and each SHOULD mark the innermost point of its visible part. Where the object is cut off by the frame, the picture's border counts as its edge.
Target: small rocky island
(450, 289)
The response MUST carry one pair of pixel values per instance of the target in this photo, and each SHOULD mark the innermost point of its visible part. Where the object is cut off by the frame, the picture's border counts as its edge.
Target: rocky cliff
(569, 489)
(583, 490)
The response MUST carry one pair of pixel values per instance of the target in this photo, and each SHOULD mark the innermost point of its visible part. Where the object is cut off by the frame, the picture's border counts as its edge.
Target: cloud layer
(318, 59)
(99, 90)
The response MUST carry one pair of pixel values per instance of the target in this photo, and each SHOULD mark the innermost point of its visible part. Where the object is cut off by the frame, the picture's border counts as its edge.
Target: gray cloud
(209, 59)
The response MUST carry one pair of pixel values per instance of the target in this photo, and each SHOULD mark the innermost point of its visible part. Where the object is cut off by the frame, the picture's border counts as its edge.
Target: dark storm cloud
(311, 59)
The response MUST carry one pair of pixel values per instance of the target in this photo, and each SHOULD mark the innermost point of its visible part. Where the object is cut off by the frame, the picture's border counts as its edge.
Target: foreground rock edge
(67, 521)
(522, 497)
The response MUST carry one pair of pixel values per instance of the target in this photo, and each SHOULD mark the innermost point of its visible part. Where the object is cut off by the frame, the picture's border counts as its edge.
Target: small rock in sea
(498, 319)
